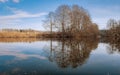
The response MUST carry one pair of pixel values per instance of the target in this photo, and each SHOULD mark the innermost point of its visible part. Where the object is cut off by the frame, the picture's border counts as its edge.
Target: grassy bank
(7, 33)
(10, 33)
(18, 34)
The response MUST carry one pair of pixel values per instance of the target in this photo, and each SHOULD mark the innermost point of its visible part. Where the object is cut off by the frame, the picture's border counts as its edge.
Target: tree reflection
(114, 45)
(72, 52)
(26, 40)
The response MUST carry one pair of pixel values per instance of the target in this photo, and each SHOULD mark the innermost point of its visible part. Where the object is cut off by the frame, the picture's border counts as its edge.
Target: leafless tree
(73, 20)
(113, 28)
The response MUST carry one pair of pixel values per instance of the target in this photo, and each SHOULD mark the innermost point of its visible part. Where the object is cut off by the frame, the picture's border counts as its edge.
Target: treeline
(113, 28)
(71, 21)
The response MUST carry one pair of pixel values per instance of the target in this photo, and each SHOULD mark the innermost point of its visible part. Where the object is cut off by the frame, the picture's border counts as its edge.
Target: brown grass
(14, 34)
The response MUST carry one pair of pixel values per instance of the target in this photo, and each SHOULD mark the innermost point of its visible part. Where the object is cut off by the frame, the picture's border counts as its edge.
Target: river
(59, 57)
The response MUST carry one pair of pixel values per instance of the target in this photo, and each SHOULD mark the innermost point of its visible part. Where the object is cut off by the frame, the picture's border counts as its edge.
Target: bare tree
(49, 22)
(62, 18)
(73, 21)
(114, 28)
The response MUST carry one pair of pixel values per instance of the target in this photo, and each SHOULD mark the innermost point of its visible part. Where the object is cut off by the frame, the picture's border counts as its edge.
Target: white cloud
(3, 1)
(19, 54)
(16, 1)
(17, 16)
(21, 15)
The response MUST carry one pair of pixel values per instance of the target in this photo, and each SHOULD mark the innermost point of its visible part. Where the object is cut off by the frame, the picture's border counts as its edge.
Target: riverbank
(10, 33)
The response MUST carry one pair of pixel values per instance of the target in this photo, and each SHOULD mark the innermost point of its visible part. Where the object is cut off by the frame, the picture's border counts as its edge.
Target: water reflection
(26, 40)
(33, 56)
(21, 56)
(114, 45)
(72, 52)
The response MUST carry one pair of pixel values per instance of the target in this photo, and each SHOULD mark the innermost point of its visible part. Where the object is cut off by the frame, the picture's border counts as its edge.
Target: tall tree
(113, 28)
(49, 22)
(62, 17)
(73, 21)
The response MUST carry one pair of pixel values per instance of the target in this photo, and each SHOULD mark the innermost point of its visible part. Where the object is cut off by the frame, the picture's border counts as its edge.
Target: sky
(29, 14)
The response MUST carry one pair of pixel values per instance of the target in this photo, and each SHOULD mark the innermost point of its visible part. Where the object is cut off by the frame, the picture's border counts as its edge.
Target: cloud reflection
(19, 54)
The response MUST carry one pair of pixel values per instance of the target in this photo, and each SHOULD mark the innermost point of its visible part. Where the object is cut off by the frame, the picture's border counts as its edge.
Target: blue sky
(28, 14)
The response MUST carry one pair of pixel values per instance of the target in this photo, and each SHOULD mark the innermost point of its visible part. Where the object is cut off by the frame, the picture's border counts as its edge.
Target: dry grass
(5, 34)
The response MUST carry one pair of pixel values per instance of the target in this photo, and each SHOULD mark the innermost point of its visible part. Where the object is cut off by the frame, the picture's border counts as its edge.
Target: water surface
(50, 57)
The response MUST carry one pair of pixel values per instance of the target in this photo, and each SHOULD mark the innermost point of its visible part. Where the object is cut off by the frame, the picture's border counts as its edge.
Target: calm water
(80, 57)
